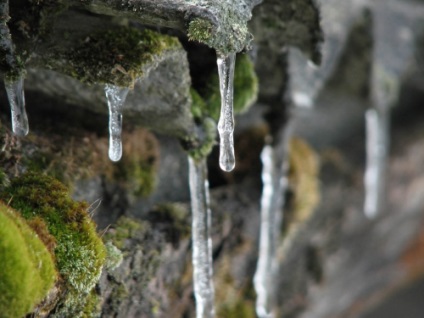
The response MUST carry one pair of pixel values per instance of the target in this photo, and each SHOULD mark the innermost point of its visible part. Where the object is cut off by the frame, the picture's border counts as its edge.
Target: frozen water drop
(115, 96)
(16, 96)
(201, 236)
(226, 119)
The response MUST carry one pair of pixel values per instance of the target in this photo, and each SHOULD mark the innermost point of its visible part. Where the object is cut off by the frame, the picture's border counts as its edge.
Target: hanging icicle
(377, 144)
(115, 96)
(275, 182)
(16, 97)
(201, 236)
(226, 119)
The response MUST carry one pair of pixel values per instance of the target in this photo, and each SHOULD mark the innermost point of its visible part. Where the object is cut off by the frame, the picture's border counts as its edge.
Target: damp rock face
(339, 59)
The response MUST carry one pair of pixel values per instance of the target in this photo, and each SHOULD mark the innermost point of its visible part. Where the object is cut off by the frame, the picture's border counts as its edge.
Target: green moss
(200, 30)
(245, 309)
(27, 268)
(118, 56)
(92, 308)
(245, 88)
(199, 149)
(123, 229)
(198, 105)
(138, 167)
(80, 254)
(113, 256)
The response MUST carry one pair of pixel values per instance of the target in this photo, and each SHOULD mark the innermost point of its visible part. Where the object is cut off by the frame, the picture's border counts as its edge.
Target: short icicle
(377, 140)
(16, 96)
(275, 182)
(226, 119)
(201, 236)
(115, 96)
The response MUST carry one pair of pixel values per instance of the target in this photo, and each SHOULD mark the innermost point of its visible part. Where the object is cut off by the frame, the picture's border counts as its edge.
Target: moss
(138, 167)
(92, 308)
(27, 268)
(171, 219)
(202, 147)
(123, 229)
(245, 88)
(118, 56)
(304, 187)
(80, 254)
(198, 105)
(113, 256)
(200, 30)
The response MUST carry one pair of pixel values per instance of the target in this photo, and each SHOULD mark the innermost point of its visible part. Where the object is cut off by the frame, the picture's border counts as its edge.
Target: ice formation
(226, 119)
(201, 237)
(306, 78)
(16, 97)
(275, 166)
(115, 99)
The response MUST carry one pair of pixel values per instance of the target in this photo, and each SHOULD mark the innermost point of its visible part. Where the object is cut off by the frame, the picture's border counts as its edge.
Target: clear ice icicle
(226, 120)
(275, 182)
(115, 96)
(377, 123)
(16, 96)
(201, 236)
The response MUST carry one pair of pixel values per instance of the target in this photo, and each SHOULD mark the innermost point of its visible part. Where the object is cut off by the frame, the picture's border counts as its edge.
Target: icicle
(201, 236)
(275, 183)
(15, 94)
(226, 119)
(377, 123)
(115, 99)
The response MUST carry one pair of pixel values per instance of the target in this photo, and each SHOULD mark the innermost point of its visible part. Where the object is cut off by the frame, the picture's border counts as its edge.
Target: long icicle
(274, 177)
(14, 88)
(115, 96)
(377, 132)
(16, 97)
(201, 236)
(226, 120)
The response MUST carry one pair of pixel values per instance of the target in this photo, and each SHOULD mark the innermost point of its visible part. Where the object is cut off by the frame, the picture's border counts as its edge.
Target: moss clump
(80, 254)
(27, 268)
(123, 229)
(113, 256)
(118, 56)
(138, 167)
(245, 88)
(200, 30)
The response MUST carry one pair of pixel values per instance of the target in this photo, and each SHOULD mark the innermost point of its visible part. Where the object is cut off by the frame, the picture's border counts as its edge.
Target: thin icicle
(377, 123)
(115, 100)
(226, 120)
(201, 236)
(275, 182)
(16, 96)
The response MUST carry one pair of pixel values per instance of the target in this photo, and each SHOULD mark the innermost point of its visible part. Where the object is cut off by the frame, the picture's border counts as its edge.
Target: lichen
(118, 56)
(79, 254)
(27, 268)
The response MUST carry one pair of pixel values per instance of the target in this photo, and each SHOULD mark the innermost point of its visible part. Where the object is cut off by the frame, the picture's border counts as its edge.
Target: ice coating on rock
(306, 78)
(16, 97)
(226, 119)
(115, 96)
(275, 182)
(201, 237)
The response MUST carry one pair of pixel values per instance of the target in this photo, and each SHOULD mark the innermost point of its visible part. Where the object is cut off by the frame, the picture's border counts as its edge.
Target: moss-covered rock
(80, 253)
(27, 268)
(118, 56)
